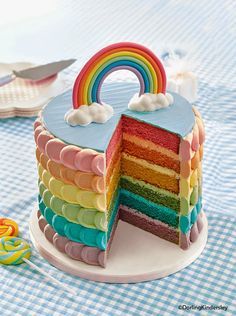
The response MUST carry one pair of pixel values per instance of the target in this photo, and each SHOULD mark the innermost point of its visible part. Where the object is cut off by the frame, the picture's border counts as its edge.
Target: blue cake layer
(160, 212)
(177, 118)
(153, 210)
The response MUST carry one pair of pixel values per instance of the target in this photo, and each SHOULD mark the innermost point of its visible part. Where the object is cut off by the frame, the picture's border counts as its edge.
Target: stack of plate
(24, 97)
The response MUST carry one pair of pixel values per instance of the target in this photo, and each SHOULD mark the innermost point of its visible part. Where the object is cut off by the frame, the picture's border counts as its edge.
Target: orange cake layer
(161, 180)
(151, 155)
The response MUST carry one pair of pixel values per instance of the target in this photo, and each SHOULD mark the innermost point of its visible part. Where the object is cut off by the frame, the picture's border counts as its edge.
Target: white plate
(135, 255)
(24, 97)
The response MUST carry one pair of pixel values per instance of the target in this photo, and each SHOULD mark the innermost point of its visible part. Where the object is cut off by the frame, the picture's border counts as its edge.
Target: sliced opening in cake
(142, 179)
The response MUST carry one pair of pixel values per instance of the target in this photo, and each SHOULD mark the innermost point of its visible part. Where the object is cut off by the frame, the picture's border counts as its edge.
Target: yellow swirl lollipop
(13, 250)
(8, 227)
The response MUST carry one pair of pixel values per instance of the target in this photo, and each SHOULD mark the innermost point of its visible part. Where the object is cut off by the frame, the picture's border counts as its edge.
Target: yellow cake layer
(151, 166)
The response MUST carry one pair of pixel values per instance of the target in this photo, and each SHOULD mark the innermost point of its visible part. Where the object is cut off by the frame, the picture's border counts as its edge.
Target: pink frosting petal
(102, 259)
(201, 131)
(60, 242)
(194, 233)
(68, 155)
(195, 140)
(49, 232)
(73, 250)
(43, 139)
(54, 148)
(185, 241)
(42, 223)
(185, 149)
(98, 165)
(37, 131)
(90, 255)
(83, 160)
(199, 223)
(37, 123)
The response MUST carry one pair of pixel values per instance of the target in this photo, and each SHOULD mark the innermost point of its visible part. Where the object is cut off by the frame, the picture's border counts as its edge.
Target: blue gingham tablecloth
(206, 30)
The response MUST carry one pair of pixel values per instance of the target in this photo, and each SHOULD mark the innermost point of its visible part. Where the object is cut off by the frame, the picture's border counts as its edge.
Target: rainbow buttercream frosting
(144, 168)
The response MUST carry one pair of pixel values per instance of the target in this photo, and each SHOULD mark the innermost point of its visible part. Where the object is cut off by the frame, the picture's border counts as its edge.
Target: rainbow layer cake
(139, 162)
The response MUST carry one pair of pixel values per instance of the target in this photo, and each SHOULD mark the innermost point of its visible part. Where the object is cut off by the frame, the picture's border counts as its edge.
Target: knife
(37, 73)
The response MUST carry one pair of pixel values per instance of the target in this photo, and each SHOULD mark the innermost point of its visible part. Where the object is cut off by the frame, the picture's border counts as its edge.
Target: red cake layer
(116, 137)
(152, 133)
(140, 129)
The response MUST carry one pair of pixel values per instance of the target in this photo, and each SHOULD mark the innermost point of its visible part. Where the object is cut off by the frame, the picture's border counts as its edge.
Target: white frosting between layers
(149, 102)
(94, 113)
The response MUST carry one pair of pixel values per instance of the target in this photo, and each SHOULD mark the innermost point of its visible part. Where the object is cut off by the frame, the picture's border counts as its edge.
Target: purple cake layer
(148, 224)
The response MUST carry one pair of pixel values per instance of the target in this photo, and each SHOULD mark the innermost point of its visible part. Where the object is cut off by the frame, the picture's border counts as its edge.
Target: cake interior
(142, 179)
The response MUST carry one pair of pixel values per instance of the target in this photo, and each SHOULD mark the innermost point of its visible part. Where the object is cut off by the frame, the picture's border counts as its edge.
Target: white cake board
(135, 255)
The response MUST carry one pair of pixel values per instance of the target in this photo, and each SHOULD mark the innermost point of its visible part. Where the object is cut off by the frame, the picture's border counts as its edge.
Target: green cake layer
(150, 192)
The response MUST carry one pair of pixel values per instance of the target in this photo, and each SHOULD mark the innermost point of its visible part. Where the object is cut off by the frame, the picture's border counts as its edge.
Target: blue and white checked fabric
(206, 30)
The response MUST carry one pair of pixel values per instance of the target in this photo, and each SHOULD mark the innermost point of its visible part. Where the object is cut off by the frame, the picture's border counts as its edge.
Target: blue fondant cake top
(178, 118)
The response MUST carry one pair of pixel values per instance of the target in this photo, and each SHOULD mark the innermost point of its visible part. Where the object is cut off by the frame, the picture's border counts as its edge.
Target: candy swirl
(13, 250)
(8, 227)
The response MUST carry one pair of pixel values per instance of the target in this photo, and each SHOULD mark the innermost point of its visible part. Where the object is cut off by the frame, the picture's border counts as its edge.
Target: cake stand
(135, 255)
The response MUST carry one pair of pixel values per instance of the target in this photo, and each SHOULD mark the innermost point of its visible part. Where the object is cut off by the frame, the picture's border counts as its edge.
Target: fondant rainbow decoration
(134, 57)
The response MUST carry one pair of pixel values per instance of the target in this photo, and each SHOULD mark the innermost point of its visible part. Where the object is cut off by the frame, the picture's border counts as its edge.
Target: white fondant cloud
(149, 102)
(84, 115)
